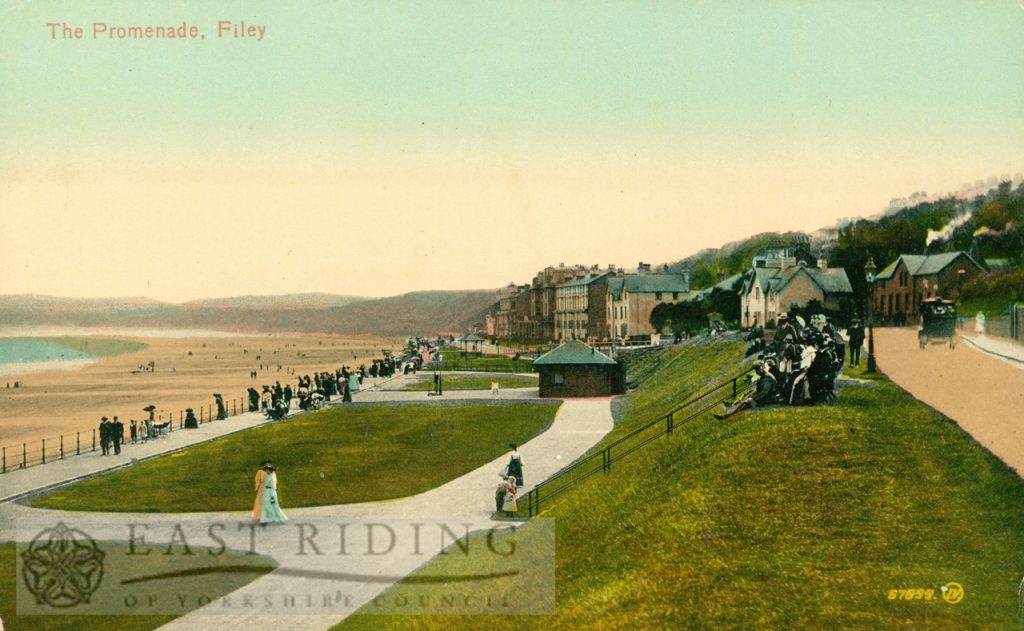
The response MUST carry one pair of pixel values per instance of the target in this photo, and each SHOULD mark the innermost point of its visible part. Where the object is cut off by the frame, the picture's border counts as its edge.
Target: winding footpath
(467, 501)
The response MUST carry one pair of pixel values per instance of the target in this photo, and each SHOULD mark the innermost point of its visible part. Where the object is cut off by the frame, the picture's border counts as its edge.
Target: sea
(21, 355)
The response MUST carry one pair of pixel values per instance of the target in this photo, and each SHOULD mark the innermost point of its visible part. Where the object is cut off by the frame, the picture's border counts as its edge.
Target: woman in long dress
(267, 509)
(515, 465)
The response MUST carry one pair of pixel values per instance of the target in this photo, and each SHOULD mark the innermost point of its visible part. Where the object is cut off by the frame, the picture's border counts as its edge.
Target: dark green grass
(454, 361)
(784, 518)
(96, 346)
(476, 383)
(334, 456)
(214, 587)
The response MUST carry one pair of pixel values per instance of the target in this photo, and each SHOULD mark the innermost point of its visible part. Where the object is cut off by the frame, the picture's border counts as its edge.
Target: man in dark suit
(104, 435)
(856, 335)
(117, 435)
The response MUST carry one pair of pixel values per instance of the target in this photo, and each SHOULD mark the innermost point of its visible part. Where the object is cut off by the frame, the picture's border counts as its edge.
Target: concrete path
(19, 482)
(1010, 351)
(982, 393)
(467, 501)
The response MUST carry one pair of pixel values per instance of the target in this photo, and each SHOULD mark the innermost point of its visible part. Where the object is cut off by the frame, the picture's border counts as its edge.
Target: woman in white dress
(267, 509)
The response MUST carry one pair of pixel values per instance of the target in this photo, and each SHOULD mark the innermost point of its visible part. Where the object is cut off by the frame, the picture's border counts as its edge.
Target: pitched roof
(471, 337)
(831, 280)
(573, 352)
(923, 264)
(615, 286)
(648, 284)
(725, 285)
(583, 280)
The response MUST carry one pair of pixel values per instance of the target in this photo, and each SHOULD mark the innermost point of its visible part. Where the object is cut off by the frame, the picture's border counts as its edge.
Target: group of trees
(989, 227)
(693, 315)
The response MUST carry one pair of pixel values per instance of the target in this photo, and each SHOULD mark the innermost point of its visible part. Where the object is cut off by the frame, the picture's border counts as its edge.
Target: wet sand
(73, 398)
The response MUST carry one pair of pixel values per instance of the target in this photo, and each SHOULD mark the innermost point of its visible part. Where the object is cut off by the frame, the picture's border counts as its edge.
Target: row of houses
(778, 279)
(586, 303)
(595, 304)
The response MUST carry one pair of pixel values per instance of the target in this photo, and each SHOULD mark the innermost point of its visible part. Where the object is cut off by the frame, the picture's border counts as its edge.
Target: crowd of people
(800, 364)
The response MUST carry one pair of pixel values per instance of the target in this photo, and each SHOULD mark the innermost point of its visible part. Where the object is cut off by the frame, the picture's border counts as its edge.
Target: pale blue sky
(591, 121)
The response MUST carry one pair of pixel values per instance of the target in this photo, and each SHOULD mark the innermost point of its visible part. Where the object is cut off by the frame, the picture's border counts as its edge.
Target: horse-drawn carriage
(938, 322)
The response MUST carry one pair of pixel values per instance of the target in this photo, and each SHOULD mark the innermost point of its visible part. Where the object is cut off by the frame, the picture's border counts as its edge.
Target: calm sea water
(20, 351)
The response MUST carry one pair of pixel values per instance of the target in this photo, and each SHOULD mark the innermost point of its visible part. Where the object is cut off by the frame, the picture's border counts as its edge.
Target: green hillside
(416, 313)
(782, 518)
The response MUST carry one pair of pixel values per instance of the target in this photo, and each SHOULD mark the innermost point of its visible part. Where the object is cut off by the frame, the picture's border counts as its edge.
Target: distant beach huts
(577, 370)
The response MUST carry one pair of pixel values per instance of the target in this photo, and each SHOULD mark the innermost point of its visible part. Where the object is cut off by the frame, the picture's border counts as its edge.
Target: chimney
(822, 264)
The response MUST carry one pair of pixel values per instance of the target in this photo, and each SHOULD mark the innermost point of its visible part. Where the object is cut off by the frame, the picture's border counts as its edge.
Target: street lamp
(869, 275)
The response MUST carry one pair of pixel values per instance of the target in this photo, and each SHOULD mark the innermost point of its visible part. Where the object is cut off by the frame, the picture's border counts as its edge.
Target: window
(557, 378)
(657, 295)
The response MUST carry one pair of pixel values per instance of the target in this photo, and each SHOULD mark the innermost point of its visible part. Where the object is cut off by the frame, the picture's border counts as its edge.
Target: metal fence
(601, 461)
(43, 450)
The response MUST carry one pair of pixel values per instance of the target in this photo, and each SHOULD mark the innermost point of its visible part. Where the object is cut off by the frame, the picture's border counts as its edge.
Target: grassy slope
(215, 587)
(335, 456)
(785, 518)
(476, 383)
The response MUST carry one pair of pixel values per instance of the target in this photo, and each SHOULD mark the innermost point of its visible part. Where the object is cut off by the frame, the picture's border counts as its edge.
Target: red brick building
(577, 370)
(903, 284)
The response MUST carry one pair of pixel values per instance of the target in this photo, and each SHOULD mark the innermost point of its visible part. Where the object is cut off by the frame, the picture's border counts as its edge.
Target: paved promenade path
(983, 393)
(467, 501)
(54, 473)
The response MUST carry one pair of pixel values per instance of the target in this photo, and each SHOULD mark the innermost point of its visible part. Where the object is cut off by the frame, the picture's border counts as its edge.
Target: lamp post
(869, 276)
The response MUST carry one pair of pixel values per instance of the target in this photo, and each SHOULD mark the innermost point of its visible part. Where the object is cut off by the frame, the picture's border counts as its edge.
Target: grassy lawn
(213, 586)
(97, 347)
(476, 383)
(782, 518)
(453, 360)
(334, 456)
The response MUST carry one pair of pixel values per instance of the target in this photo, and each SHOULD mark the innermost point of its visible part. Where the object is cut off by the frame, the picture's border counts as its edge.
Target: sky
(374, 148)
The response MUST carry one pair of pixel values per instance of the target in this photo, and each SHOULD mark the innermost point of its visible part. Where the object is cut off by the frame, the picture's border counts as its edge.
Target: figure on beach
(266, 509)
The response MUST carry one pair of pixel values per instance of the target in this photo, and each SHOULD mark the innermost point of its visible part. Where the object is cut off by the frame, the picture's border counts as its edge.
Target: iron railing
(601, 460)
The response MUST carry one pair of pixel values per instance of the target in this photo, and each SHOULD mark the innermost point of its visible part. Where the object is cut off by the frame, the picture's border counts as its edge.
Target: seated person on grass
(765, 392)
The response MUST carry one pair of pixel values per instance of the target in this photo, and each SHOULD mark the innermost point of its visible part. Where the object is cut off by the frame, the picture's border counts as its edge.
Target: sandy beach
(66, 397)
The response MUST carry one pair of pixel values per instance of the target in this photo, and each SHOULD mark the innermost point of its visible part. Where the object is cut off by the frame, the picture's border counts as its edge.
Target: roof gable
(573, 352)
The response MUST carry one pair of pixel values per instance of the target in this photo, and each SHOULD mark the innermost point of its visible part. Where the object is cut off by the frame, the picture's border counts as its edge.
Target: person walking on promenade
(190, 419)
(515, 465)
(856, 335)
(254, 400)
(117, 435)
(104, 436)
(267, 509)
(134, 431)
(222, 412)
